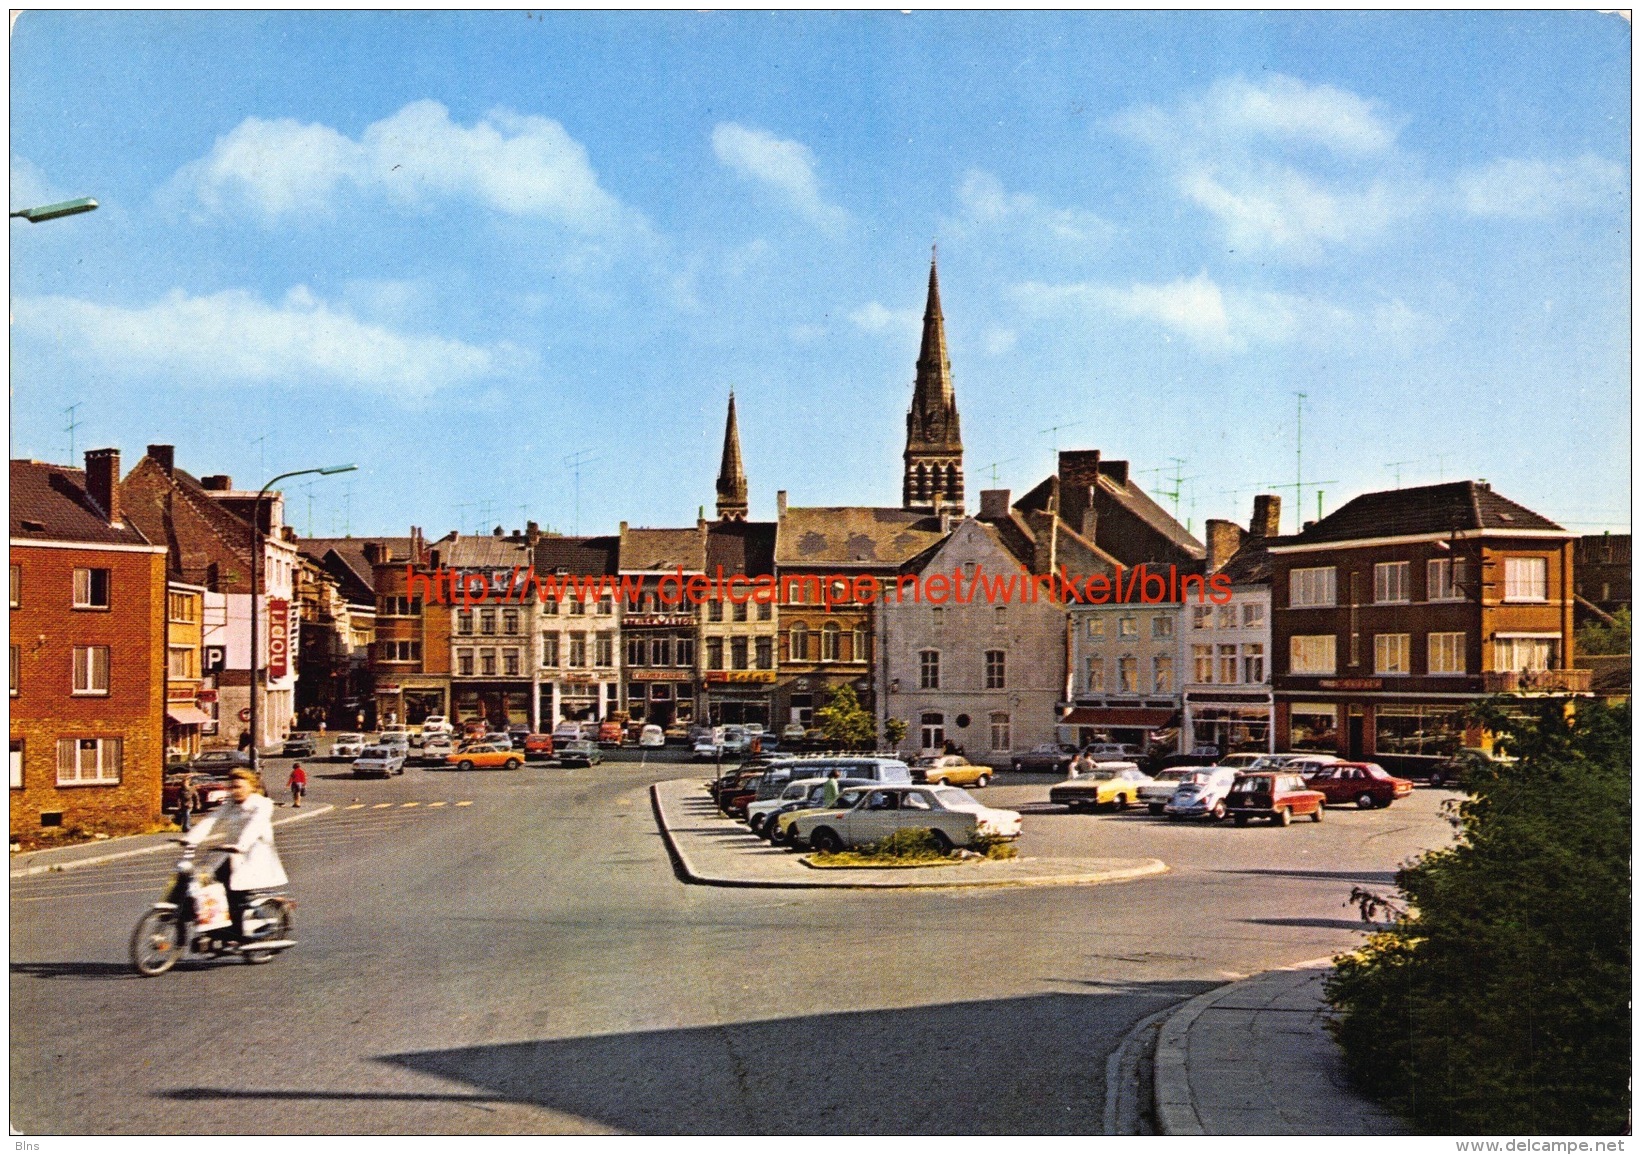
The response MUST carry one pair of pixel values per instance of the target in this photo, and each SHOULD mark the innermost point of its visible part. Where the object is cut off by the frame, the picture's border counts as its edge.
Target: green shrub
(992, 845)
(1496, 1000)
(917, 843)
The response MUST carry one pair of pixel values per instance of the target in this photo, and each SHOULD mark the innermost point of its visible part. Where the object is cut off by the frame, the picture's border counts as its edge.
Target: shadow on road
(75, 970)
(203, 1094)
(1382, 877)
(899, 1071)
(1319, 923)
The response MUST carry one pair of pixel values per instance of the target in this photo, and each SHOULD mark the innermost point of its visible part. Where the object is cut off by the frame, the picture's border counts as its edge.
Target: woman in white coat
(245, 823)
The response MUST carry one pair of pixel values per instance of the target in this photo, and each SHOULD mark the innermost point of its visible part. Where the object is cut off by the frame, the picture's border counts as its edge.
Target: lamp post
(256, 564)
(52, 212)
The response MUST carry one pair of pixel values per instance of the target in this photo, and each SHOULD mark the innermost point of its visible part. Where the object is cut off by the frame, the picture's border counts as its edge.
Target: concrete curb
(97, 860)
(687, 871)
(1176, 1109)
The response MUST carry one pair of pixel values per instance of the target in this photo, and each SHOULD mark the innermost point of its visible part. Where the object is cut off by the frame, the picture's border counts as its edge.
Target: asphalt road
(494, 952)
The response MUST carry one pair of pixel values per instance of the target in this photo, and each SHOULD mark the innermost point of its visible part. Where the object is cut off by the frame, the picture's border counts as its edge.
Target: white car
(758, 812)
(866, 814)
(793, 732)
(1205, 796)
(379, 760)
(398, 739)
(709, 749)
(346, 747)
(1283, 761)
(1239, 761)
(736, 740)
(567, 732)
(436, 724)
(1156, 794)
(437, 747)
(756, 729)
(652, 736)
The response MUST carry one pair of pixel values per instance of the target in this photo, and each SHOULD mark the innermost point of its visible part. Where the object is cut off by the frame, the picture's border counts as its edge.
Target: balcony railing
(1537, 682)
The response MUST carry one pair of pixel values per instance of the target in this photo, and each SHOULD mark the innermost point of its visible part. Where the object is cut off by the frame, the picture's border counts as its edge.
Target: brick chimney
(1224, 539)
(102, 482)
(1267, 520)
(994, 504)
(780, 504)
(1078, 472)
(532, 533)
(164, 456)
(217, 482)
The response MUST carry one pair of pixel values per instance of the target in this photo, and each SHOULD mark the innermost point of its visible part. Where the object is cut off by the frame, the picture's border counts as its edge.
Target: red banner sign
(279, 638)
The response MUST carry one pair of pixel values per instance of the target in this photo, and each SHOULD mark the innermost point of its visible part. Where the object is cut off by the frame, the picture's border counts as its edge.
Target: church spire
(731, 474)
(934, 439)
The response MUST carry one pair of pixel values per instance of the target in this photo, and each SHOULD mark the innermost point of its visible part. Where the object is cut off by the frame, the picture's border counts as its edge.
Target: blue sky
(457, 248)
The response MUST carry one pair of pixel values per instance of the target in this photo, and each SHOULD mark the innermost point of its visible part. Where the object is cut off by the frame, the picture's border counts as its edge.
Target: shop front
(1405, 734)
(1129, 725)
(1227, 723)
(660, 697)
(736, 697)
(577, 700)
(498, 705)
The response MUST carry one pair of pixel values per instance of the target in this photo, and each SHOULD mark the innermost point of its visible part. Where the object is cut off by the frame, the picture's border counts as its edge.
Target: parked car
(538, 746)
(1278, 795)
(1283, 761)
(804, 794)
(1108, 784)
(475, 728)
(486, 755)
(1055, 756)
(651, 737)
(397, 728)
(209, 791)
(950, 770)
(736, 740)
(346, 747)
(578, 753)
(710, 747)
(379, 761)
(865, 815)
(611, 734)
(1203, 796)
(567, 732)
(436, 724)
(677, 734)
(400, 739)
(755, 728)
(437, 748)
(1365, 784)
(792, 732)
(727, 783)
(1112, 751)
(516, 734)
(300, 745)
(1175, 761)
(736, 801)
(1154, 795)
(214, 762)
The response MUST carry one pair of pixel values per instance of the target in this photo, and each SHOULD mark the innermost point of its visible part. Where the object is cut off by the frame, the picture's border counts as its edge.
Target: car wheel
(1316, 815)
(1437, 778)
(1153, 808)
(513, 764)
(1017, 767)
(826, 841)
(1240, 819)
(1365, 801)
(1122, 802)
(464, 764)
(941, 840)
(1284, 817)
(1218, 812)
(983, 781)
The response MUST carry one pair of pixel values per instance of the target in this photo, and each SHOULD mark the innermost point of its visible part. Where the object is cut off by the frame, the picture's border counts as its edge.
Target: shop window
(1425, 731)
(1314, 728)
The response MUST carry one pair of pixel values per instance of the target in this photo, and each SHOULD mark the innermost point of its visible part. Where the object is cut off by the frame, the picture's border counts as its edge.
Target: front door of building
(1355, 737)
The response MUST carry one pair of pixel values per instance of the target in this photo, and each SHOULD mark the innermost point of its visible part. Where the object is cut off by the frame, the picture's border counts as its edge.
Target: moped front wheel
(275, 924)
(156, 943)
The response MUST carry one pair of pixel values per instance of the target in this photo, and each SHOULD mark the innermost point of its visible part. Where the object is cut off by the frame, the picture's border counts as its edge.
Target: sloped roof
(481, 551)
(741, 547)
(852, 536)
(351, 551)
(1249, 565)
(578, 556)
(50, 503)
(1134, 499)
(1455, 506)
(646, 550)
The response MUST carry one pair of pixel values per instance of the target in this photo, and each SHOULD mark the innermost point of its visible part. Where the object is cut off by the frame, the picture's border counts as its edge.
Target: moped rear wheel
(156, 943)
(276, 924)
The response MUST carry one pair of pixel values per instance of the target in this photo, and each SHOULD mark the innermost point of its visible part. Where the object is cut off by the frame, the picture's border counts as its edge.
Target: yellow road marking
(407, 805)
(355, 806)
(464, 804)
(381, 806)
(431, 805)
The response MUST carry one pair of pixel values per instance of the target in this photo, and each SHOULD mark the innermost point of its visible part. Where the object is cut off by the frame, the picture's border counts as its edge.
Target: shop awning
(188, 715)
(1132, 717)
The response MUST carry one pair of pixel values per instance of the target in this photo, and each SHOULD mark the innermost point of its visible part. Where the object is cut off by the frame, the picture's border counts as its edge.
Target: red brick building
(88, 651)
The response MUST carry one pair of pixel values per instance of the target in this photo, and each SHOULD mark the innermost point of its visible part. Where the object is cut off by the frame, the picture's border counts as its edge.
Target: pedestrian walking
(829, 792)
(244, 739)
(298, 784)
(187, 800)
(1080, 765)
(361, 719)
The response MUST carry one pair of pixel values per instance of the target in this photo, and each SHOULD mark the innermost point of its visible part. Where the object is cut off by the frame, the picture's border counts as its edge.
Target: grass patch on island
(917, 847)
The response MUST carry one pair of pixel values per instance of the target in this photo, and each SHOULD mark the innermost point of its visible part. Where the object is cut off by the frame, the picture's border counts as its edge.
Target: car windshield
(850, 798)
(349, 738)
(1102, 772)
(953, 798)
(1175, 776)
(1256, 785)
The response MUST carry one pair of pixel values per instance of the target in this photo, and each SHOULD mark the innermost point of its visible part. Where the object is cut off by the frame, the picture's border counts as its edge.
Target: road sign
(245, 714)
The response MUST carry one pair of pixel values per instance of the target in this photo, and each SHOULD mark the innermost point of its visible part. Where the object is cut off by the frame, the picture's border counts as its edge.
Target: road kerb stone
(97, 860)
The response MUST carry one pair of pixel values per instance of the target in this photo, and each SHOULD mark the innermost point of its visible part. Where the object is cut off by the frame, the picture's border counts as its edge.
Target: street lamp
(256, 562)
(52, 212)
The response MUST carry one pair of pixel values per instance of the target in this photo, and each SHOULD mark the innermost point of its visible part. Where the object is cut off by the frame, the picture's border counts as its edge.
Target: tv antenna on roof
(71, 427)
(993, 467)
(1055, 429)
(575, 462)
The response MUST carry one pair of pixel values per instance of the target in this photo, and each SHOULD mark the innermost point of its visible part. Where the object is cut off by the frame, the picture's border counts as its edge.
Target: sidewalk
(1254, 1058)
(718, 851)
(59, 858)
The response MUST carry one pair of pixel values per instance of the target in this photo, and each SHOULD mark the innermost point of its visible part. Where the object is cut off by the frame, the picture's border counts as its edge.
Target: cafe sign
(741, 677)
(279, 638)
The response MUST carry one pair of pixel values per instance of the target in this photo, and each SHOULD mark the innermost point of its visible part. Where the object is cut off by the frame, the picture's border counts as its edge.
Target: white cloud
(1285, 167)
(807, 334)
(30, 187)
(999, 341)
(786, 166)
(1524, 189)
(526, 166)
(876, 318)
(234, 338)
(983, 201)
(1227, 320)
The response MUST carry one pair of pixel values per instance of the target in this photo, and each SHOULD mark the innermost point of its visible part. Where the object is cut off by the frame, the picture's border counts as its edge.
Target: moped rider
(246, 822)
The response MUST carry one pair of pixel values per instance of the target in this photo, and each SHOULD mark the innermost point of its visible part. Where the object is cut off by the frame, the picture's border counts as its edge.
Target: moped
(194, 916)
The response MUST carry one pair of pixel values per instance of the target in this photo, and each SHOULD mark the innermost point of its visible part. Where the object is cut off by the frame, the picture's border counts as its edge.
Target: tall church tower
(731, 474)
(934, 443)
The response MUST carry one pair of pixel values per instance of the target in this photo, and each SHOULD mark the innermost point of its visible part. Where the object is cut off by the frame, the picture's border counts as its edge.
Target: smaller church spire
(732, 505)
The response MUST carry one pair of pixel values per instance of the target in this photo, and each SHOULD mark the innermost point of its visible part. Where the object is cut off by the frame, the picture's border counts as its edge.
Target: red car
(611, 733)
(737, 799)
(1278, 796)
(1367, 784)
(538, 746)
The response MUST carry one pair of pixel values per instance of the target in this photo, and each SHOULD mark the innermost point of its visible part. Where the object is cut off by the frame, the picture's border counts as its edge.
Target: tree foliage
(1497, 1000)
(843, 720)
(1604, 638)
(894, 730)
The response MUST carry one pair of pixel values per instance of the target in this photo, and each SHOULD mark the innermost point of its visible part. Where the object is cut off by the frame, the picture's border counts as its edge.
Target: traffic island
(712, 850)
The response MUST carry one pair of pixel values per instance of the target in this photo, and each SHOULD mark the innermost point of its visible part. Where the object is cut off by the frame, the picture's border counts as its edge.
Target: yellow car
(486, 756)
(1109, 784)
(950, 770)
